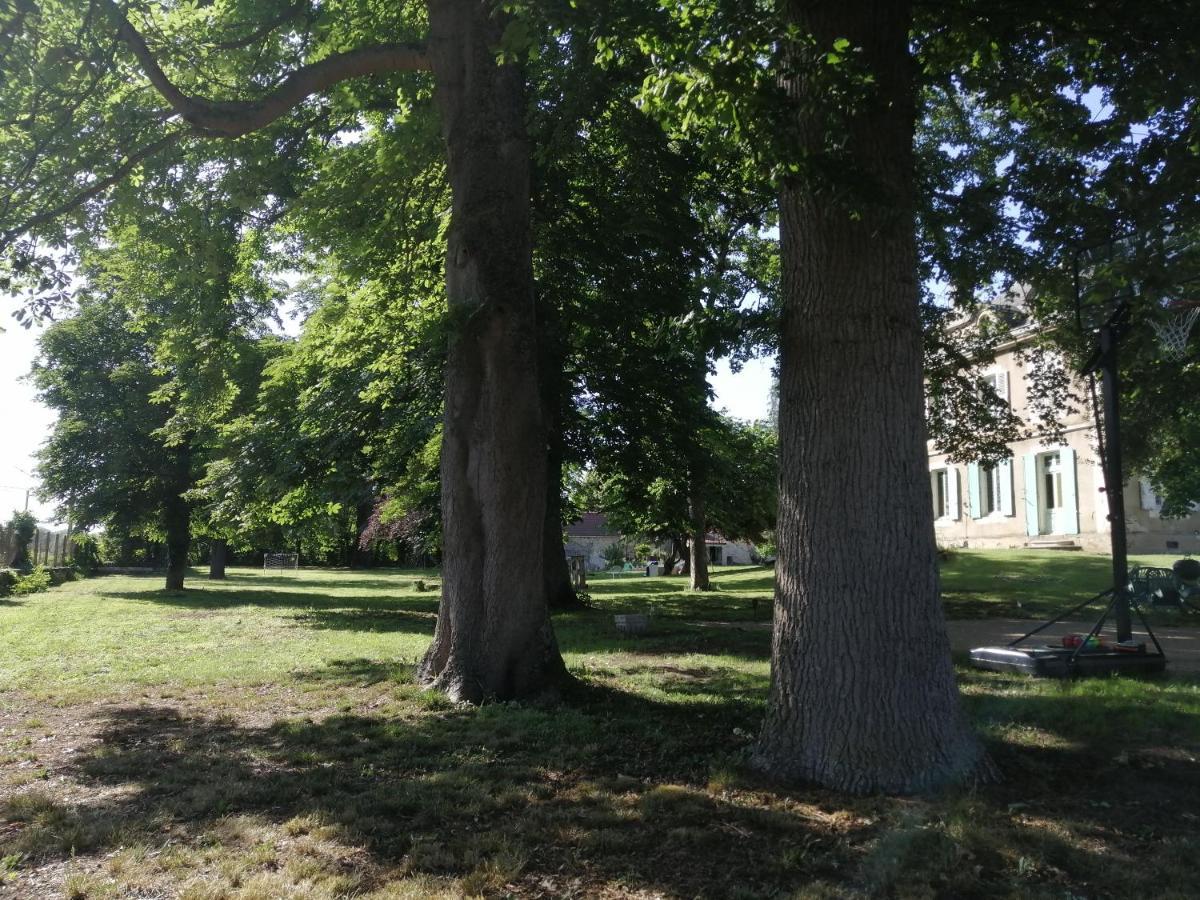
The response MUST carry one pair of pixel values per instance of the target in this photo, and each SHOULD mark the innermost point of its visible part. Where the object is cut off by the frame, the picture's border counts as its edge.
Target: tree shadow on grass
(201, 598)
(607, 791)
(372, 620)
(607, 788)
(352, 579)
(595, 633)
(590, 631)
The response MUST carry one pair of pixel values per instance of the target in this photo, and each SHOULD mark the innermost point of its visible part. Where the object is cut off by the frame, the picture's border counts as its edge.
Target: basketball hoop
(1173, 332)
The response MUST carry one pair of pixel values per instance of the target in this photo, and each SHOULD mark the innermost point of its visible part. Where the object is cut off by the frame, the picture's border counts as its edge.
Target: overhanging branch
(92, 190)
(236, 118)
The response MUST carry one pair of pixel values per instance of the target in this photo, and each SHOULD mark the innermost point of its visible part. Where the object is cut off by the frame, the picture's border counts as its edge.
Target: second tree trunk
(493, 637)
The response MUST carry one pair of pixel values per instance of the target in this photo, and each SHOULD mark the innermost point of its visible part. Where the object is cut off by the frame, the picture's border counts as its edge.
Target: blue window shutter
(973, 490)
(952, 492)
(1070, 492)
(1031, 494)
(1006, 487)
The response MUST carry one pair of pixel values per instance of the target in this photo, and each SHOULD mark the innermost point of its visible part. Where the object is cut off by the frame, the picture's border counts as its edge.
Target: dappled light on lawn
(265, 737)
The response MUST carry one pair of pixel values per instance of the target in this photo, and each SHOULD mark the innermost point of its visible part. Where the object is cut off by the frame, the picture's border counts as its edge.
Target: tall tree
(834, 114)
(493, 636)
(843, 710)
(105, 459)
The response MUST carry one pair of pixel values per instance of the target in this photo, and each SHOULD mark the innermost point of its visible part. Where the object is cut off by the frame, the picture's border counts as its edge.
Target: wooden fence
(48, 548)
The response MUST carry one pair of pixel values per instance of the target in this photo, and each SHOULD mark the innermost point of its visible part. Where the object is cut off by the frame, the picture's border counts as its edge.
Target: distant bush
(614, 554)
(766, 549)
(37, 580)
(23, 526)
(87, 552)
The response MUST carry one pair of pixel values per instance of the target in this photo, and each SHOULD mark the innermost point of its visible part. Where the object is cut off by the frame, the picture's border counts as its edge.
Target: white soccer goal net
(281, 561)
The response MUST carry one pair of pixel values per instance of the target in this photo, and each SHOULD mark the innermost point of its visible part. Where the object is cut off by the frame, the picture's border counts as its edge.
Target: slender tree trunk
(177, 517)
(217, 554)
(672, 556)
(862, 692)
(560, 592)
(493, 636)
(699, 550)
(360, 557)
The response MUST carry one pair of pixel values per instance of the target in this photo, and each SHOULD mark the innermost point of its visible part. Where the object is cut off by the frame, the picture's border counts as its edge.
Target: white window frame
(996, 380)
(991, 491)
(950, 509)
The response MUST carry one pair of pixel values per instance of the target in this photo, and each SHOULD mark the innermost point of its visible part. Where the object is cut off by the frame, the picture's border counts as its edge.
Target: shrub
(766, 548)
(87, 552)
(37, 580)
(614, 554)
(23, 526)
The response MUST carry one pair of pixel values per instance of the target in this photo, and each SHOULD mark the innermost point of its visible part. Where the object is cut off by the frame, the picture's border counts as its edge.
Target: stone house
(592, 534)
(1043, 495)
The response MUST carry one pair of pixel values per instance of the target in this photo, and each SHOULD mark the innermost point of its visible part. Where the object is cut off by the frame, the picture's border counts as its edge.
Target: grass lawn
(262, 738)
(978, 584)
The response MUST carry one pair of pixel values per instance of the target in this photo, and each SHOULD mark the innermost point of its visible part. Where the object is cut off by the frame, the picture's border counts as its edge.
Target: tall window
(940, 482)
(990, 484)
(1052, 480)
(994, 386)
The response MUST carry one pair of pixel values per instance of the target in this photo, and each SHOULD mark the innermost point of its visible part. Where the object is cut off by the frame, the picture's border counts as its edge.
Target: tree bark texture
(862, 694)
(699, 549)
(218, 552)
(493, 637)
(177, 516)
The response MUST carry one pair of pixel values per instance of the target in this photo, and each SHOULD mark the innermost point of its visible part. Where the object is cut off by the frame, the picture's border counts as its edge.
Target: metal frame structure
(1062, 661)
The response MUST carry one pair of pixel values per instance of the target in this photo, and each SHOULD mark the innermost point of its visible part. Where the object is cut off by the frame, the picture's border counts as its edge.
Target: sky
(25, 423)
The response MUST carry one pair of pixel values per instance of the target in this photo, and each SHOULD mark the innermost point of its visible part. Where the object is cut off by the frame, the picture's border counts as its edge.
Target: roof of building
(591, 524)
(1009, 312)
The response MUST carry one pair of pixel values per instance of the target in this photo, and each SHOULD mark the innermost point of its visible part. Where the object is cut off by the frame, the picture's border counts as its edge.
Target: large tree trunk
(699, 549)
(177, 517)
(493, 636)
(218, 551)
(862, 692)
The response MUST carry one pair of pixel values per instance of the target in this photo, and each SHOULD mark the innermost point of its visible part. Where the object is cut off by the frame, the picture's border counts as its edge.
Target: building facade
(589, 537)
(1044, 494)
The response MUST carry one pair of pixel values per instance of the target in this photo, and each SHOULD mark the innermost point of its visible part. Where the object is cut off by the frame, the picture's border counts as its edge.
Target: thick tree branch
(236, 118)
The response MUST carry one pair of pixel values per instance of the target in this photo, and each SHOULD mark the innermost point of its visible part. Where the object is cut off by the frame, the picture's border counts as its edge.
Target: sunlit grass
(264, 737)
